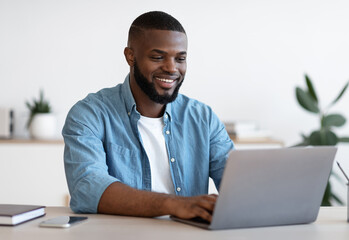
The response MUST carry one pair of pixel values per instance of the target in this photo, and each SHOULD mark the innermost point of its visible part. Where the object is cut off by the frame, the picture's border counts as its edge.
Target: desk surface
(331, 224)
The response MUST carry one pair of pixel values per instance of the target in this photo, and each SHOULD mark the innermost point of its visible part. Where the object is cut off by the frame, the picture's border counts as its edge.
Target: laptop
(271, 187)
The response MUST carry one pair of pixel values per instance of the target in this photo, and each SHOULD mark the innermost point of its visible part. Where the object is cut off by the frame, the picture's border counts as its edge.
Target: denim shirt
(103, 145)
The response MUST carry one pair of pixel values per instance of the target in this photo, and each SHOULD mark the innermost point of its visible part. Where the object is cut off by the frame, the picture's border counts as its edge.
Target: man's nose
(170, 66)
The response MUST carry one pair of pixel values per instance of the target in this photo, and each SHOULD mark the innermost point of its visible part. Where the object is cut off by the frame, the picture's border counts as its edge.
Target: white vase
(43, 126)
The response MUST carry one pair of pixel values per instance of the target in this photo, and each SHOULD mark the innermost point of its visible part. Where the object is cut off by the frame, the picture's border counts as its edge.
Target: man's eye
(156, 57)
(181, 59)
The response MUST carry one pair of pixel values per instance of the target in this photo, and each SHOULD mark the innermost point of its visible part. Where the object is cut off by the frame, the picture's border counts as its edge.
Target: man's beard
(149, 88)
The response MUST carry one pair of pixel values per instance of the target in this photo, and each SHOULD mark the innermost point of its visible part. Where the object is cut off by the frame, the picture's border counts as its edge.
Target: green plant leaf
(28, 106)
(323, 137)
(343, 139)
(333, 120)
(37, 106)
(341, 93)
(315, 139)
(336, 176)
(305, 139)
(331, 138)
(30, 120)
(306, 101)
(311, 89)
(327, 196)
(41, 95)
(336, 198)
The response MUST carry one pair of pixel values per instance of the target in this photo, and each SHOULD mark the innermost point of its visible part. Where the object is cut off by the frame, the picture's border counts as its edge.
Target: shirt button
(172, 159)
(178, 189)
(166, 116)
(129, 113)
(167, 132)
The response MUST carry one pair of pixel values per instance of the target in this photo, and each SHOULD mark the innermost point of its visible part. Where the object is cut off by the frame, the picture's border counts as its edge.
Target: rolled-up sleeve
(85, 158)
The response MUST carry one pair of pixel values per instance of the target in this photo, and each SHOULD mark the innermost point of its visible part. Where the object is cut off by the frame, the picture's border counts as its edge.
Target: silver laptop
(271, 187)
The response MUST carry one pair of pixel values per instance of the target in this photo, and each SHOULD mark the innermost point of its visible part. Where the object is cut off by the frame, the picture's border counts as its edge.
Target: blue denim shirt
(103, 145)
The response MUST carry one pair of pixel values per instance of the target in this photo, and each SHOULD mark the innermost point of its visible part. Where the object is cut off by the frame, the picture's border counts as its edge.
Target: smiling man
(141, 148)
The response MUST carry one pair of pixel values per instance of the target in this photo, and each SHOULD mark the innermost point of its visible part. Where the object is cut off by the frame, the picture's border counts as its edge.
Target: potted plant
(325, 135)
(42, 122)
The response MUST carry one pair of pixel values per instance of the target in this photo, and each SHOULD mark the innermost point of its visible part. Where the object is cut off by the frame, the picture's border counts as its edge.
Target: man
(140, 148)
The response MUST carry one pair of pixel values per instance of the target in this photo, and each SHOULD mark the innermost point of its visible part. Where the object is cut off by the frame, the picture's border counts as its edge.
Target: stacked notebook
(13, 214)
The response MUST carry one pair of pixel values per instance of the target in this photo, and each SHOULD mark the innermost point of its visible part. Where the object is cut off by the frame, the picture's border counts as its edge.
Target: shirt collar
(168, 110)
(130, 101)
(127, 95)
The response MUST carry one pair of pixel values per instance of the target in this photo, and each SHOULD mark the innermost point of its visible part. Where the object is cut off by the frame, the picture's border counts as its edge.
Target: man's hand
(190, 207)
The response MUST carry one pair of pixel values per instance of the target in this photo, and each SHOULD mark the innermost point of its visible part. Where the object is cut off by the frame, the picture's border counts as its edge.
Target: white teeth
(165, 80)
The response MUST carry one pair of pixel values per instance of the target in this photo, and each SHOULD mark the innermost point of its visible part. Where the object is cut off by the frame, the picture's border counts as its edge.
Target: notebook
(271, 187)
(13, 214)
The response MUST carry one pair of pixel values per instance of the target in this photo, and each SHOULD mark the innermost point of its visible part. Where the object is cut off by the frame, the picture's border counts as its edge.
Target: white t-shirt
(151, 130)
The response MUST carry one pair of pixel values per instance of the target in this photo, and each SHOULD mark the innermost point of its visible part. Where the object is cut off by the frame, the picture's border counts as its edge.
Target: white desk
(331, 224)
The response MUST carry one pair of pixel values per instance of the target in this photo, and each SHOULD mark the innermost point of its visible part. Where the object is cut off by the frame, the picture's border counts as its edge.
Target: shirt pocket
(123, 165)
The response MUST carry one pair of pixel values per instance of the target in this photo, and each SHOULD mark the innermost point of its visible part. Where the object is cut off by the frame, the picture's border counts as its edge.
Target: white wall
(245, 56)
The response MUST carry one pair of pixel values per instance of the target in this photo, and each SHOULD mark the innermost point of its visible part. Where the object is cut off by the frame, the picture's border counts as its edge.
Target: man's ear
(128, 52)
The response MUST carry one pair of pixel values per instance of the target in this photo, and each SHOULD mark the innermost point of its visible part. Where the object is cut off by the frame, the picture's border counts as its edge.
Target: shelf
(256, 141)
(30, 141)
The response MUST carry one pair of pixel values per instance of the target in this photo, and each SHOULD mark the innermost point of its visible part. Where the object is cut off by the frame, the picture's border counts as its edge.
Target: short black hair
(154, 20)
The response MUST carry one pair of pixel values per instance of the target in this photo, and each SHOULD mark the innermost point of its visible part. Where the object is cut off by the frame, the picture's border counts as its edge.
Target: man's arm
(121, 199)
(220, 146)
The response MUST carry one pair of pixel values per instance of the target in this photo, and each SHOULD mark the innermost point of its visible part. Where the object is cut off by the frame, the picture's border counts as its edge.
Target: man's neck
(145, 106)
(155, 111)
